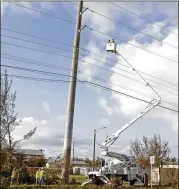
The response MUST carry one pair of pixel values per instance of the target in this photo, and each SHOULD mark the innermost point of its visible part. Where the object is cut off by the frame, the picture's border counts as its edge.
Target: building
(29, 154)
(79, 163)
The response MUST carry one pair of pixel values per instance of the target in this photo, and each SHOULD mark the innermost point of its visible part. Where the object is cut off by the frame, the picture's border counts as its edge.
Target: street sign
(152, 158)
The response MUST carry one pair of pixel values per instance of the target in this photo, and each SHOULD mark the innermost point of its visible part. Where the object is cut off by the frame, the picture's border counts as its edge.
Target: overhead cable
(81, 61)
(142, 17)
(91, 52)
(34, 62)
(98, 31)
(111, 90)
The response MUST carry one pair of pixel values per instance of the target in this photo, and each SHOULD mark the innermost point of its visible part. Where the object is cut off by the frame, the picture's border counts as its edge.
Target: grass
(76, 187)
(79, 178)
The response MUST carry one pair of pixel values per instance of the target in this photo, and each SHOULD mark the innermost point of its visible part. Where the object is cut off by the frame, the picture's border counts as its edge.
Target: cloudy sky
(146, 35)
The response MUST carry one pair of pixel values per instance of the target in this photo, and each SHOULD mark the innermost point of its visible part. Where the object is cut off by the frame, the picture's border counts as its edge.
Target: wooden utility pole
(71, 98)
(94, 150)
(73, 152)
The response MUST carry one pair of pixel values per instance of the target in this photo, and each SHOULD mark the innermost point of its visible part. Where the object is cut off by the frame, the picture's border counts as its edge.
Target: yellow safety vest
(14, 174)
(41, 173)
(38, 174)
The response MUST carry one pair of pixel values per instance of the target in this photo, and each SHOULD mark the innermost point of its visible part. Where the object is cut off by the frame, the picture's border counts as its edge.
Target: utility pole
(71, 99)
(73, 151)
(94, 146)
(94, 149)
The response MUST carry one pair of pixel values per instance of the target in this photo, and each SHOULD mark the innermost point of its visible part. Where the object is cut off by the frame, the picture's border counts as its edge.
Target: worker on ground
(42, 176)
(14, 176)
(37, 176)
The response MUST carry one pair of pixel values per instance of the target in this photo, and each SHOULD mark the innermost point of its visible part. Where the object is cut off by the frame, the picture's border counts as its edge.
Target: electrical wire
(84, 56)
(41, 12)
(111, 90)
(120, 23)
(37, 78)
(34, 62)
(146, 83)
(85, 62)
(38, 71)
(142, 17)
(147, 13)
(91, 53)
(98, 31)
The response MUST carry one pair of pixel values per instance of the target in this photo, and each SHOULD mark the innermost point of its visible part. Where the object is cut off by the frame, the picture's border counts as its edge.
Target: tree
(154, 146)
(36, 162)
(9, 119)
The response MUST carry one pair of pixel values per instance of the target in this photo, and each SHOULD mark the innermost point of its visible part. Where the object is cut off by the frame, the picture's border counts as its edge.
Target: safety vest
(38, 174)
(14, 174)
(41, 173)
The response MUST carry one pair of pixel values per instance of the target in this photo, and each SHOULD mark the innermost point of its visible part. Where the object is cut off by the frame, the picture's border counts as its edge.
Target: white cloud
(140, 59)
(103, 103)
(98, 22)
(47, 6)
(46, 107)
(4, 6)
(104, 122)
(93, 60)
(27, 124)
(62, 118)
(153, 65)
(17, 9)
(143, 61)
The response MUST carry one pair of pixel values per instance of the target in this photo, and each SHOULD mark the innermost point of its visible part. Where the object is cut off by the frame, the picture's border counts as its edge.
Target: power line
(88, 52)
(44, 13)
(68, 69)
(92, 29)
(37, 78)
(37, 71)
(127, 26)
(147, 13)
(88, 62)
(141, 17)
(85, 62)
(131, 44)
(108, 89)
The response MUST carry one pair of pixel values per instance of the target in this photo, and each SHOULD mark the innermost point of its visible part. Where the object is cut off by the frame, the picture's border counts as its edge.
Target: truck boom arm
(111, 47)
(110, 140)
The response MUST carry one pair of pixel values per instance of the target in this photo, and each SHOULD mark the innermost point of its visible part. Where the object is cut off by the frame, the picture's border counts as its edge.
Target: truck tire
(132, 182)
(146, 179)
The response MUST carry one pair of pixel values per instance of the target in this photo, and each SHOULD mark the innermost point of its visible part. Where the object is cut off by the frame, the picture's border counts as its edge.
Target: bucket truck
(123, 166)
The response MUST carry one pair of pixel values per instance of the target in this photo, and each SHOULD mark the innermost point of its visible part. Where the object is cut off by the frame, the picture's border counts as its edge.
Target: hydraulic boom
(126, 167)
(110, 140)
(111, 47)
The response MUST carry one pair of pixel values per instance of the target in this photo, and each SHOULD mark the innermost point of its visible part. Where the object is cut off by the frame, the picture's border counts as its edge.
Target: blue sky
(44, 104)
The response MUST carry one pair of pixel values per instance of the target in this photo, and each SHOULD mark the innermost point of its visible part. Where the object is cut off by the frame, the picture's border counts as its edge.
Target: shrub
(170, 177)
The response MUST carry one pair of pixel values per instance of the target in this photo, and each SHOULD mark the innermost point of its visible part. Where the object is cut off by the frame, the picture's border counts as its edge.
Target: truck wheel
(120, 183)
(146, 180)
(131, 182)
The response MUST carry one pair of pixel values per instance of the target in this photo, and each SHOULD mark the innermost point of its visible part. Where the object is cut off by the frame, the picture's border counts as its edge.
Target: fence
(168, 176)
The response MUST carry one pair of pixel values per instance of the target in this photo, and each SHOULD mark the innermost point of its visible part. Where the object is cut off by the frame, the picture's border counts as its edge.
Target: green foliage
(78, 187)
(79, 178)
(154, 146)
(9, 157)
(170, 177)
(36, 162)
